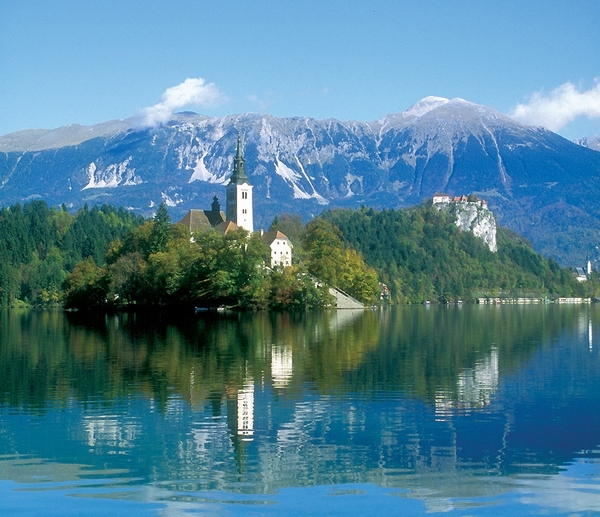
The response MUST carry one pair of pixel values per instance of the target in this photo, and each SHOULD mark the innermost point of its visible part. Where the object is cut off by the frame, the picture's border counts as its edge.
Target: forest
(110, 258)
(422, 255)
(40, 246)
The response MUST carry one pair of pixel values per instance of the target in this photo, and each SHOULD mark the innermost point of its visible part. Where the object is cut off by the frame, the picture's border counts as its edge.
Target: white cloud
(264, 102)
(192, 91)
(561, 106)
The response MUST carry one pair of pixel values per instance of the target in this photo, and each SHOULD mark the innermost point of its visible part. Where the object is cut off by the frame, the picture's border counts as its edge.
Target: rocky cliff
(475, 217)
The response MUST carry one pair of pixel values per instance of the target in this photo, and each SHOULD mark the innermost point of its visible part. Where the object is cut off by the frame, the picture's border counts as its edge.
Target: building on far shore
(239, 214)
(445, 198)
(582, 274)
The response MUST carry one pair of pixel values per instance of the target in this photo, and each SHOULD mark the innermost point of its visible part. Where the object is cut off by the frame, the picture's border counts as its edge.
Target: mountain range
(536, 182)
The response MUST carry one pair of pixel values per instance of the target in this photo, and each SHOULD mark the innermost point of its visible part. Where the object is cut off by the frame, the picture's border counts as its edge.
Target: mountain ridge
(74, 133)
(530, 176)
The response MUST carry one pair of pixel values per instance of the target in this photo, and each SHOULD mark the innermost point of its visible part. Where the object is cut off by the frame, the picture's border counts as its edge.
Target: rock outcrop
(474, 217)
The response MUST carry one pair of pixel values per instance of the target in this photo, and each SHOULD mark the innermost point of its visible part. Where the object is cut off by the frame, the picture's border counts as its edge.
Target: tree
(325, 251)
(357, 279)
(337, 265)
(254, 280)
(159, 236)
(8, 283)
(86, 286)
(291, 225)
(127, 279)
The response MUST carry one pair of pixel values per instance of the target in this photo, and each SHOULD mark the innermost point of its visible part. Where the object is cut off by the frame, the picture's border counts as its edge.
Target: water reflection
(474, 387)
(282, 360)
(441, 401)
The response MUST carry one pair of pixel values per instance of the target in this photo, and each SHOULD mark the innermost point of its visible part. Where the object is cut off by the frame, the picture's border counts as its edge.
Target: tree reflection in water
(405, 397)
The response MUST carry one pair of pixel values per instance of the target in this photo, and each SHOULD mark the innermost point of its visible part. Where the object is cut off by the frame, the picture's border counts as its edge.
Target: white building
(441, 198)
(281, 248)
(245, 410)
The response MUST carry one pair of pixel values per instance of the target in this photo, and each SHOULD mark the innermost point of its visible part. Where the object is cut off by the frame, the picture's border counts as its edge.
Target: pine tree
(160, 231)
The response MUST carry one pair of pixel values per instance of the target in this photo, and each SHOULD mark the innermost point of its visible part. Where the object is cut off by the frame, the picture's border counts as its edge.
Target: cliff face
(474, 217)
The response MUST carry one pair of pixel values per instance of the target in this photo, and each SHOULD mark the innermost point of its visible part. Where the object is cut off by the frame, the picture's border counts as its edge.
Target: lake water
(461, 410)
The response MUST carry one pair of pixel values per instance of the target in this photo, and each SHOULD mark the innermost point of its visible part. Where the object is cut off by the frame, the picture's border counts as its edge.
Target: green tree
(290, 225)
(86, 286)
(357, 279)
(127, 280)
(159, 236)
(254, 280)
(330, 261)
(325, 251)
(293, 289)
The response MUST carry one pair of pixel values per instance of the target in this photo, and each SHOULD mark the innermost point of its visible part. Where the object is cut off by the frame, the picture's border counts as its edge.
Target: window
(244, 194)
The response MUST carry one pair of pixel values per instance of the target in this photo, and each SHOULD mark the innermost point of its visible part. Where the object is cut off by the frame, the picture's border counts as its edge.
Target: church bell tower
(239, 193)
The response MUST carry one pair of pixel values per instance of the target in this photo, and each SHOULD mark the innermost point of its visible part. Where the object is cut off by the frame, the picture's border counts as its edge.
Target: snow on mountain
(425, 106)
(532, 179)
(112, 176)
(591, 142)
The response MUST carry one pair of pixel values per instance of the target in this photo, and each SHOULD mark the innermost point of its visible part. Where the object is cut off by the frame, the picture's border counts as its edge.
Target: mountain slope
(535, 181)
(592, 142)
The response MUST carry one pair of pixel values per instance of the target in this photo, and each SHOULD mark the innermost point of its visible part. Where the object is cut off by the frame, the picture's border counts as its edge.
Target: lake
(411, 410)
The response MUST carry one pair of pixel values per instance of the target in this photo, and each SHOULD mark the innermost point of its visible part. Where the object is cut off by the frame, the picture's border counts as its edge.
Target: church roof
(226, 227)
(239, 175)
(202, 220)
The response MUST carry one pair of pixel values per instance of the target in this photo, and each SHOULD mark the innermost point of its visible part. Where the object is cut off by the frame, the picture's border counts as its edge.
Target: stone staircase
(343, 300)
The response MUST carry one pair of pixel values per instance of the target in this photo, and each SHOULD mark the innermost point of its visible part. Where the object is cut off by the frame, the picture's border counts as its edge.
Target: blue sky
(89, 61)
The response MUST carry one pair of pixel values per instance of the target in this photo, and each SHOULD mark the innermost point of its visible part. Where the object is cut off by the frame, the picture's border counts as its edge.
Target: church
(239, 214)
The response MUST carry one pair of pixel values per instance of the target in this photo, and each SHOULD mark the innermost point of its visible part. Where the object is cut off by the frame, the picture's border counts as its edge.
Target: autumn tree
(336, 264)
(86, 286)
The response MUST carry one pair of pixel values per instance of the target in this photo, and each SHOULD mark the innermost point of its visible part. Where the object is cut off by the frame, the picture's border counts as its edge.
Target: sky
(90, 61)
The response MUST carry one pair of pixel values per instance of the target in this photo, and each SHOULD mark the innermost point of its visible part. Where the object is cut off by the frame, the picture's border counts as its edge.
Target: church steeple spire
(239, 169)
(239, 193)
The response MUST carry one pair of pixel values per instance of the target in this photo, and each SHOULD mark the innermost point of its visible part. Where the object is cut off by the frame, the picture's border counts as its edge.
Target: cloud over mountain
(561, 106)
(192, 91)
